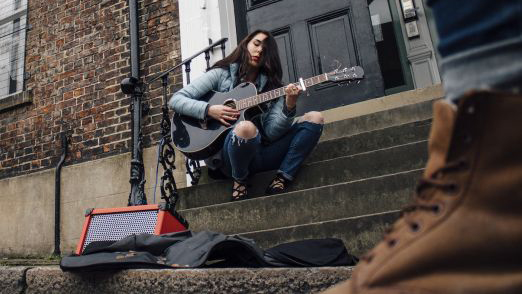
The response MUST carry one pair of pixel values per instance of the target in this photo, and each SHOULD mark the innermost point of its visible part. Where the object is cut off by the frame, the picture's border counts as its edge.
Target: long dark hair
(270, 62)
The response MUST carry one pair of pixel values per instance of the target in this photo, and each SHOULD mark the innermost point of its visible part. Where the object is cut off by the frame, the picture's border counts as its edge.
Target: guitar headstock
(348, 74)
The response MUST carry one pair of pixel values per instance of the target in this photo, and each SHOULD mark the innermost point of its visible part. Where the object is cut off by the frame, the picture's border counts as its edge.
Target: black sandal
(277, 186)
(240, 192)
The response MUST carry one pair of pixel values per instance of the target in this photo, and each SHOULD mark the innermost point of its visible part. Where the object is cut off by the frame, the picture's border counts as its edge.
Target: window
(13, 15)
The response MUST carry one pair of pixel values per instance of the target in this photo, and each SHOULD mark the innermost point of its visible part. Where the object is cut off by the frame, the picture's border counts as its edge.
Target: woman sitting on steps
(271, 140)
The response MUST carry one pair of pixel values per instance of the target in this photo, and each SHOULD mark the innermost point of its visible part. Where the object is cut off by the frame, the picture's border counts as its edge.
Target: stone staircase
(351, 187)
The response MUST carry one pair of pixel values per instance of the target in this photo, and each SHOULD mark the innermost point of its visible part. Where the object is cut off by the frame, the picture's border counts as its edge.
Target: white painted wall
(201, 20)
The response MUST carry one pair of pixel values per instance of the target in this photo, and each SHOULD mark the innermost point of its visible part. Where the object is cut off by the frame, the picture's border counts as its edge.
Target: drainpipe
(134, 29)
(133, 85)
(57, 195)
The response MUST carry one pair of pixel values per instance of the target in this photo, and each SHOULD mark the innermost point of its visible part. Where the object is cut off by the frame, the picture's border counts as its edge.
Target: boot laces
(422, 200)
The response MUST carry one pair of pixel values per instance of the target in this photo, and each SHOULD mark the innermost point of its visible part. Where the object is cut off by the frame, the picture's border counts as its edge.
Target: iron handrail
(188, 60)
(166, 156)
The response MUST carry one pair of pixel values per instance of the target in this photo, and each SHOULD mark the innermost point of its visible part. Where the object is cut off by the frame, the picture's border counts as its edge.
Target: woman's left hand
(292, 92)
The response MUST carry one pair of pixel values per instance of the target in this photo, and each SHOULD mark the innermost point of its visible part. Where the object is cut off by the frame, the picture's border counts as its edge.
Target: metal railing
(166, 150)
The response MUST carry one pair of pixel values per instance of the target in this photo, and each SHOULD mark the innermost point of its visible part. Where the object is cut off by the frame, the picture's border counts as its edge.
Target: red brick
(77, 53)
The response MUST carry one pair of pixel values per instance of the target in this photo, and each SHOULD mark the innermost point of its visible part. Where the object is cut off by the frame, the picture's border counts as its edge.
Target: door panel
(320, 36)
(332, 42)
(284, 45)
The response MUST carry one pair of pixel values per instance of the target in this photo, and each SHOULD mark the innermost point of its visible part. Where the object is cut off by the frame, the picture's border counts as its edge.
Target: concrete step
(378, 120)
(325, 203)
(362, 142)
(328, 172)
(186, 281)
(371, 140)
(359, 234)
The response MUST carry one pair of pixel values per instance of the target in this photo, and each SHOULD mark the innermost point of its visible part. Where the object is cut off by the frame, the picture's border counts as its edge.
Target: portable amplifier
(113, 224)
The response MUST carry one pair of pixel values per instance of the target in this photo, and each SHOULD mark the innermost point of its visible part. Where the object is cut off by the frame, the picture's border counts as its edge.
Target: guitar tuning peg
(358, 82)
(307, 93)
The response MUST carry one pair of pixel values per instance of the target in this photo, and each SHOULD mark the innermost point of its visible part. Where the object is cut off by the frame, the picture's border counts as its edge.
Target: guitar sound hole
(230, 103)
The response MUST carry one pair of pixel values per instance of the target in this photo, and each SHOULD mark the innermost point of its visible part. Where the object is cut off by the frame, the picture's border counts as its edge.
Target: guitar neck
(267, 96)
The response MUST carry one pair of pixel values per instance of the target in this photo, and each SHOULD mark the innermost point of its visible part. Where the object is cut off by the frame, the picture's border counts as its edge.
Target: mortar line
(24, 280)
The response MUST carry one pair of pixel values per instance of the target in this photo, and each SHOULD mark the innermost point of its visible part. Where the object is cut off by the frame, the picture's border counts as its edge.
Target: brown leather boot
(463, 234)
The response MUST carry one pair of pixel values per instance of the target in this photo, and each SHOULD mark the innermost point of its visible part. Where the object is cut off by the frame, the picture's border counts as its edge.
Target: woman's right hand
(223, 113)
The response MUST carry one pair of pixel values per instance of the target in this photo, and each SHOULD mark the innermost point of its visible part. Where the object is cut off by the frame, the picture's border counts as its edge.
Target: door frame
(240, 10)
(403, 54)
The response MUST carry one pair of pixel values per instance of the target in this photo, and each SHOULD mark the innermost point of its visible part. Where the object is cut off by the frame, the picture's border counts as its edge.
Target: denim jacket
(275, 122)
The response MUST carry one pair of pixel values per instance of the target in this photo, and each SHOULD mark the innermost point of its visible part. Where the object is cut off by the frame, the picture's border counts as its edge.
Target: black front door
(318, 36)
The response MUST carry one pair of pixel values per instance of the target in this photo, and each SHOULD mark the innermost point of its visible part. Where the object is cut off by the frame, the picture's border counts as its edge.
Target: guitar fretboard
(260, 98)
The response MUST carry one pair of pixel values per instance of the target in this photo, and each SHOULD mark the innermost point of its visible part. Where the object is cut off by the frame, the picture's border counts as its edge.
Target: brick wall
(77, 52)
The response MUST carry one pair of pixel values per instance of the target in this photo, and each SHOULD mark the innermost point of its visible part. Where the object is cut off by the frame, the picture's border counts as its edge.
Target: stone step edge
(422, 121)
(28, 262)
(323, 222)
(374, 151)
(314, 188)
(227, 280)
(322, 161)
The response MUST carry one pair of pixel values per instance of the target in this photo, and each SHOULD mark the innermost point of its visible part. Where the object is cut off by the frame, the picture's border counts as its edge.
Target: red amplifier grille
(114, 224)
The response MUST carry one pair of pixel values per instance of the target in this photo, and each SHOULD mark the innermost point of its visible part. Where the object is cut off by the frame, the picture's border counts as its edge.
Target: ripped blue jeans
(242, 157)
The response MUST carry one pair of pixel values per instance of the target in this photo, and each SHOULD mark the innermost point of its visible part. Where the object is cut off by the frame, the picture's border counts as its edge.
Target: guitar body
(199, 140)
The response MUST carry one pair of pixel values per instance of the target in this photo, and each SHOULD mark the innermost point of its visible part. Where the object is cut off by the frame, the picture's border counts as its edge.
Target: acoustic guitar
(199, 139)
